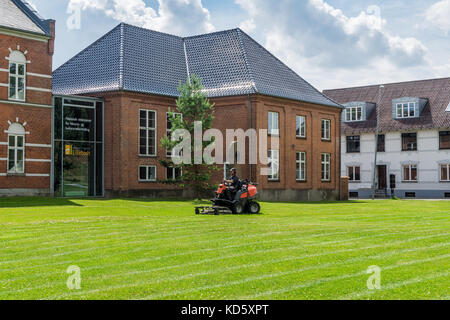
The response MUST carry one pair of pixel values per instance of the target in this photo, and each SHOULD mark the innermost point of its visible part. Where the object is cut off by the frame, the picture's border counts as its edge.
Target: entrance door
(382, 177)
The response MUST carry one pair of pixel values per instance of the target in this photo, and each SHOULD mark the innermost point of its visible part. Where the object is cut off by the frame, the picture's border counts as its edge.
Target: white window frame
(300, 122)
(410, 168)
(147, 170)
(447, 165)
(173, 173)
(274, 158)
(14, 149)
(300, 160)
(169, 153)
(400, 110)
(326, 167)
(326, 129)
(353, 169)
(147, 130)
(16, 78)
(353, 114)
(273, 123)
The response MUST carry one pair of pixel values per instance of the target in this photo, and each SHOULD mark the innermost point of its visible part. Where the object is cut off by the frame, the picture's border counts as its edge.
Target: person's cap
(233, 169)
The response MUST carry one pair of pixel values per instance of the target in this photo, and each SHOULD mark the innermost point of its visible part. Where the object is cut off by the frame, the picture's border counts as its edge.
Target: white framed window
(169, 126)
(354, 173)
(174, 173)
(300, 127)
(326, 167)
(353, 114)
(301, 166)
(410, 173)
(16, 153)
(147, 132)
(406, 110)
(445, 172)
(17, 76)
(147, 173)
(326, 129)
(274, 165)
(273, 123)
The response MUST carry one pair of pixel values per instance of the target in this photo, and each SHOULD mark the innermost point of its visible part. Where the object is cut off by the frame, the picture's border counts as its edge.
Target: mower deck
(215, 210)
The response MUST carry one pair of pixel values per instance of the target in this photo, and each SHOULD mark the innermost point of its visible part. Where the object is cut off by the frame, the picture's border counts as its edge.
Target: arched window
(17, 75)
(16, 148)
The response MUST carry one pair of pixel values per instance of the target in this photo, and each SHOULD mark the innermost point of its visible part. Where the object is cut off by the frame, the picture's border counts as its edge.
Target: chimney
(51, 42)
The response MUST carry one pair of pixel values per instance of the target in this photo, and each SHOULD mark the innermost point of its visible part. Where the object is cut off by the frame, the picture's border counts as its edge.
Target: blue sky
(330, 43)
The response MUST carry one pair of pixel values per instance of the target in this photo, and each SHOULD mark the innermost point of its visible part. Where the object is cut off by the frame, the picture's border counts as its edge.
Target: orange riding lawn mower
(230, 200)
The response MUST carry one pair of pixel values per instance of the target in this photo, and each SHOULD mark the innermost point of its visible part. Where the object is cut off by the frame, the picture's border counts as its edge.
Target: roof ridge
(387, 84)
(121, 56)
(247, 64)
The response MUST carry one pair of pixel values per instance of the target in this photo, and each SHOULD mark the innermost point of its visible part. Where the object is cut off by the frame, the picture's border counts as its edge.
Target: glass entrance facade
(78, 147)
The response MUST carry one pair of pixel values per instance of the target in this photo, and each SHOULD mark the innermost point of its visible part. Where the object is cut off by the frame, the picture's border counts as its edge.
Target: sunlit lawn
(137, 249)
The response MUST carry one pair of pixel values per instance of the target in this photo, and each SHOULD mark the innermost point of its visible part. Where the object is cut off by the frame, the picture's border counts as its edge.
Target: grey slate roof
(433, 116)
(20, 15)
(230, 63)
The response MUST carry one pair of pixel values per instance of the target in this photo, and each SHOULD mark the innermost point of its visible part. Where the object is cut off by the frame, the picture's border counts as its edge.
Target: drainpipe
(340, 156)
(377, 133)
(250, 127)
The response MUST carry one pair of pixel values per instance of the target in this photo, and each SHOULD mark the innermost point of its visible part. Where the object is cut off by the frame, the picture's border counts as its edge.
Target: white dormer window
(353, 114)
(406, 110)
(17, 75)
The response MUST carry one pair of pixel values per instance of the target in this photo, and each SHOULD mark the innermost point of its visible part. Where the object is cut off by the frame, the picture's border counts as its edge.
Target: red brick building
(26, 50)
(137, 71)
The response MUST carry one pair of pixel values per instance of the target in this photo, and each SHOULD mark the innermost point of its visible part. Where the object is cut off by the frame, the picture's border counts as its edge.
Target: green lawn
(137, 249)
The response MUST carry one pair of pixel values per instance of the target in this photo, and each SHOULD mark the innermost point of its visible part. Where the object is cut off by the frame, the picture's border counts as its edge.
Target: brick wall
(121, 140)
(36, 120)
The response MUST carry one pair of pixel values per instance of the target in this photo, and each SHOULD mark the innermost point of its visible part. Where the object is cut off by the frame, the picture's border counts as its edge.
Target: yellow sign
(69, 150)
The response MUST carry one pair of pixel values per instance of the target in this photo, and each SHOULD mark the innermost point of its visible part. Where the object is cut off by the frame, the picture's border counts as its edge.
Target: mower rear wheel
(254, 207)
(238, 208)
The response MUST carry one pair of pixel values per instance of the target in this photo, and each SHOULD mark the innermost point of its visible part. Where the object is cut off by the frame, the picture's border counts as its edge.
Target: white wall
(428, 159)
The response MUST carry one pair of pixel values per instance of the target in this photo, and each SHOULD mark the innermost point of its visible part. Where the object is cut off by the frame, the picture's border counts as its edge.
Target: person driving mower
(234, 184)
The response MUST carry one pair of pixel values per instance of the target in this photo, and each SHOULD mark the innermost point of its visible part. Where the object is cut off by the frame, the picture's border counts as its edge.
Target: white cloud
(439, 15)
(329, 48)
(180, 17)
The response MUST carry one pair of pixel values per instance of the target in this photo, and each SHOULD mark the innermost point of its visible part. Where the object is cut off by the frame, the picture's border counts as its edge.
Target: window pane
(11, 166)
(152, 173)
(143, 118)
(151, 142)
(444, 173)
(414, 173)
(19, 155)
(19, 168)
(350, 173)
(12, 141)
(20, 141)
(399, 111)
(151, 119)
(142, 173)
(412, 109)
(21, 88)
(357, 173)
(348, 114)
(405, 110)
(444, 140)
(12, 87)
(21, 69)
(12, 68)
(11, 155)
(406, 173)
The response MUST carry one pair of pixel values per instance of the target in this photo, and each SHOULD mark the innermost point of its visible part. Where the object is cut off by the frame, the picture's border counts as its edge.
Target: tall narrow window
(354, 173)
(326, 167)
(274, 163)
(410, 173)
(326, 130)
(301, 166)
(445, 172)
(444, 140)
(147, 173)
(353, 144)
(301, 127)
(273, 124)
(169, 121)
(409, 141)
(17, 72)
(381, 145)
(16, 148)
(147, 133)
